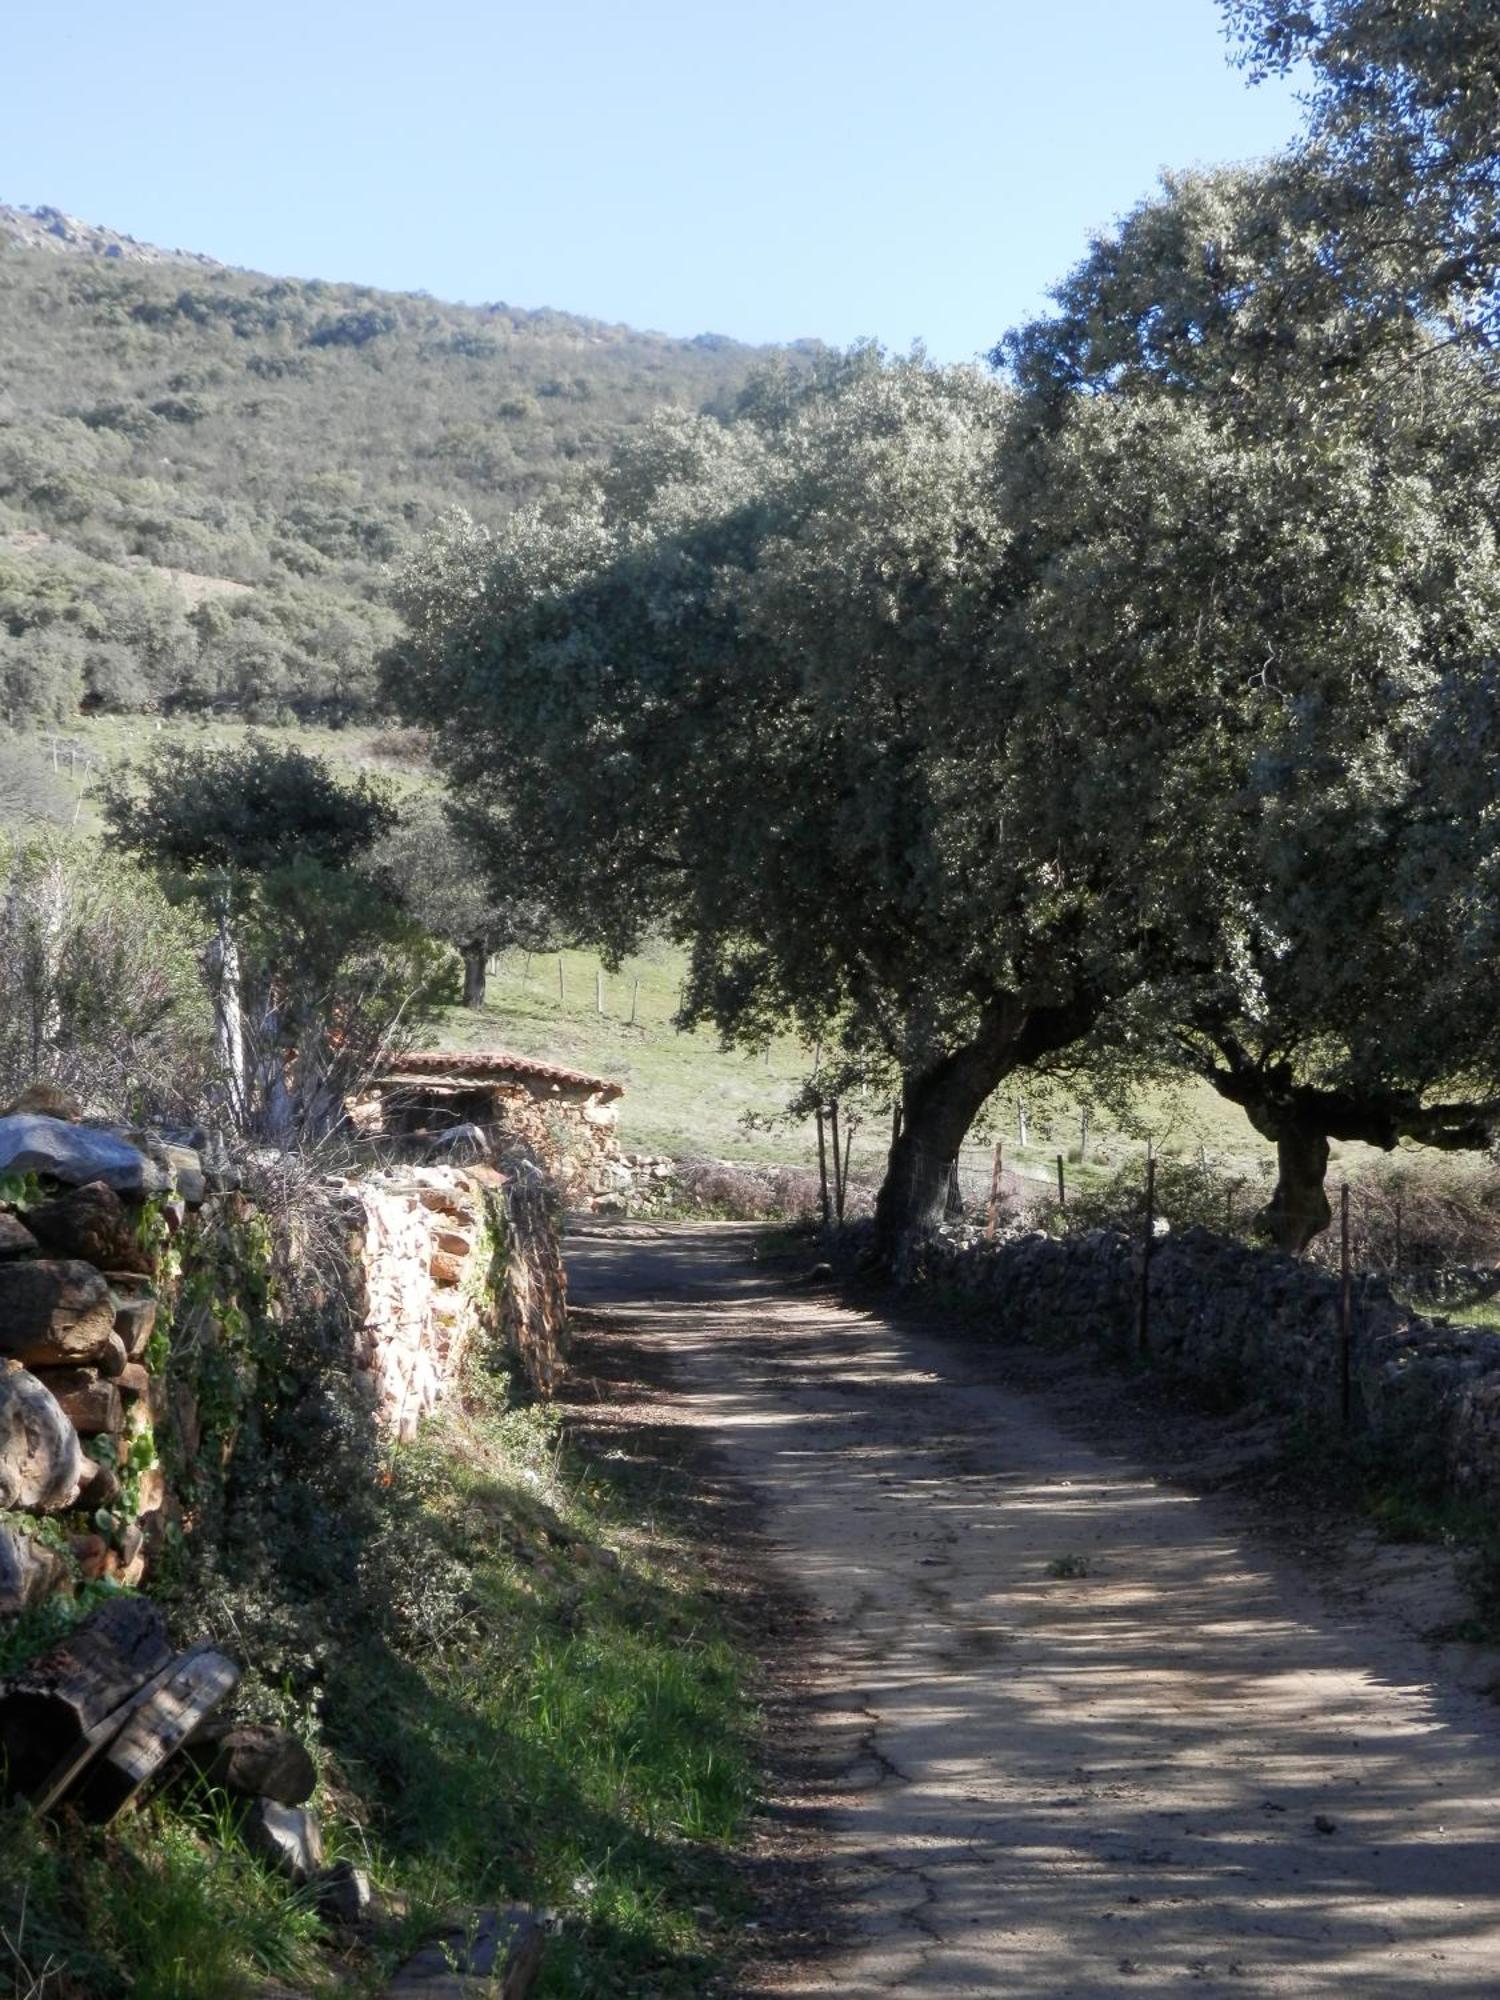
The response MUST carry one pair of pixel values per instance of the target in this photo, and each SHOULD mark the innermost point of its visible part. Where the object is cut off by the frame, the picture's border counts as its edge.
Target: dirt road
(1090, 1742)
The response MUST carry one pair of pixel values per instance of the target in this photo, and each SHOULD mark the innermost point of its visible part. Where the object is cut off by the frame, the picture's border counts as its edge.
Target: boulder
(134, 1381)
(344, 1895)
(112, 1359)
(497, 1953)
(28, 1572)
(101, 1485)
(92, 1223)
(76, 1155)
(41, 1464)
(257, 1760)
(287, 1837)
(135, 1322)
(16, 1240)
(54, 1313)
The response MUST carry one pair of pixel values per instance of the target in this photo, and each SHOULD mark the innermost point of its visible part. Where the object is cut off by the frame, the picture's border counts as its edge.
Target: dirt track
(1179, 1769)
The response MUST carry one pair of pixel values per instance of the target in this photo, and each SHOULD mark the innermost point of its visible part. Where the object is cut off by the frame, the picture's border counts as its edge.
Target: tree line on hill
(1134, 703)
(205, 475)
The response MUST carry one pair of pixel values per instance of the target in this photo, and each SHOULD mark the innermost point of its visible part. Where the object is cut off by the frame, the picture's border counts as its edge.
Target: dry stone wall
(117, 1247)
(1250, 1326)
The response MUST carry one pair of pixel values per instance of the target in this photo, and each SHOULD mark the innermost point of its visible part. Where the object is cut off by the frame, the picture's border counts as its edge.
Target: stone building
(475, 1103)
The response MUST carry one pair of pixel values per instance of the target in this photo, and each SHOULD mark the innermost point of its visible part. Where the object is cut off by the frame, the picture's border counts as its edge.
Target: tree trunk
(1298, 1209)
(476, 965)
(229, 1020)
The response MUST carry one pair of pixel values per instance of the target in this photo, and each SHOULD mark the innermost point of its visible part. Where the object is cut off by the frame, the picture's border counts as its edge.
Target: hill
(206, 474)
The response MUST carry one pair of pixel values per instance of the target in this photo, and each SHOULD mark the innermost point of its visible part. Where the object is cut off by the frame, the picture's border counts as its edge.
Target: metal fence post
(1148, 1243)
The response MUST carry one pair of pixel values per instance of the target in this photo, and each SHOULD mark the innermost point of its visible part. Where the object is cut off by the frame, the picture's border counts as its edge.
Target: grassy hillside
(206, 474)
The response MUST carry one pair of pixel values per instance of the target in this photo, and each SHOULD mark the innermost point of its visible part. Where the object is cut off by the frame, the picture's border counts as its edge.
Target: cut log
(58, 1711)
(53, 1314)
(41, 1465)
(288, 1838)
(498, 1954)
(156, 1730)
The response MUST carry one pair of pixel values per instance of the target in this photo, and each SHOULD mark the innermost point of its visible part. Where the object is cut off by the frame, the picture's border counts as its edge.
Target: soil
(1072, 1701)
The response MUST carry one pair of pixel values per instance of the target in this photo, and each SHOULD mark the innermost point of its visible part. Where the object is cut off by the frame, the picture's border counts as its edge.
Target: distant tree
(99, 988)
(441, 879)
(313, 969)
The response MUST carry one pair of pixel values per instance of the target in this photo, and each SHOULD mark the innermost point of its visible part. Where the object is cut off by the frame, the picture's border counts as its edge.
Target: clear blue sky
(764, 168)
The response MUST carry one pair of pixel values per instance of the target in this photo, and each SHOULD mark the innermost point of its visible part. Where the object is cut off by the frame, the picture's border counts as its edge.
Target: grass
(551, 1712)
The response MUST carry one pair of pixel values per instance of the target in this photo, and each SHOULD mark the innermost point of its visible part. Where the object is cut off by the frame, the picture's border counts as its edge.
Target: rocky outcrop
(1250, 1326)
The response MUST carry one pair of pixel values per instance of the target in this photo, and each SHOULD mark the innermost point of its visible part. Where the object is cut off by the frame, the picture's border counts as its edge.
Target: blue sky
(750, 167)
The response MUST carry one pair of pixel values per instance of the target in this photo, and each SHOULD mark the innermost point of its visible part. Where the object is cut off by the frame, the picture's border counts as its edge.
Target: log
(41, 1465)
(257, 1760)
(54, 1314)
(156, 1730)
(56, 1713)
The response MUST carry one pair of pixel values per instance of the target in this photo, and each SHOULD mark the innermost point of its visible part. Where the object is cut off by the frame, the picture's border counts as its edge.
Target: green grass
(553, 1714)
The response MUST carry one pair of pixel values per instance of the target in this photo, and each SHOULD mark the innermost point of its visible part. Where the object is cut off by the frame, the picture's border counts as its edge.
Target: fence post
(1148, 1244)
(598, 989)
(838, 1184)
(823, 1170)
(561, 998)
(1346, 1310)
(993, 1217)
(1062, 1185)
(1083, 1135)
(635, 994)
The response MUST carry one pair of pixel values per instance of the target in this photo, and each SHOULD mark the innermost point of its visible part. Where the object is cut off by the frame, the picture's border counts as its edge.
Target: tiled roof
(486, 1065)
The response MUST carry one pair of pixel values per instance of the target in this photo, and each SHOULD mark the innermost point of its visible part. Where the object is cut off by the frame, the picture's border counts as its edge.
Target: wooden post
(526, 975)
(1083, 1135)
(992, 1219)
(823, 1170)
(599, 989)
(1346, 1311)
(1062, 1185)
(838, 1185)
(896, 1121)
(635, 994)
(1148, 1244)
(844, 1176)
(560, 994)
(1022, 1127)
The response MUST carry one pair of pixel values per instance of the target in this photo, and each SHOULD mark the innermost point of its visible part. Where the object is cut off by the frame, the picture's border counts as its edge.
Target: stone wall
(140, 1319)
(1250, 1326)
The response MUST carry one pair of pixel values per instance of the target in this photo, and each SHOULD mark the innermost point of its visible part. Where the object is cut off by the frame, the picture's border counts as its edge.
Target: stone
(91, 1223)
(344, 1896)
(112, 1360)
(151, 1491)
(257, 1760)
(16, 1240)
(135, 1322)
(54, 1313)
(77, 1154)
(90, 1403)
(498, 1953)
(101, 1485)
(288, 1838)
(445, 1269)
(188, 1177)
(91, 1553)
(453, 1244)
(28, 1571)
(42, 1466)
(48, 1098)
(134, 1381)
